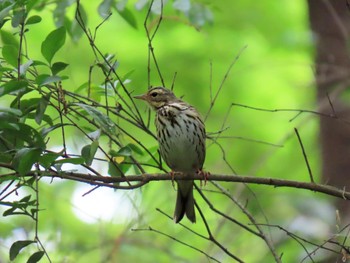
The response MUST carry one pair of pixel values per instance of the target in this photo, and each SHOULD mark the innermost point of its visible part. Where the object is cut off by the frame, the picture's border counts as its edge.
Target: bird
(181, 137)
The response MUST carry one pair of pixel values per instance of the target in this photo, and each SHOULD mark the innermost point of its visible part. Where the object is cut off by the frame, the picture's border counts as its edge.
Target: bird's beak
(141, 97)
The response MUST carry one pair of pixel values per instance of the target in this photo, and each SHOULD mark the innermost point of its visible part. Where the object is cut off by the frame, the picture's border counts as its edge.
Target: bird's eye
(154, 94)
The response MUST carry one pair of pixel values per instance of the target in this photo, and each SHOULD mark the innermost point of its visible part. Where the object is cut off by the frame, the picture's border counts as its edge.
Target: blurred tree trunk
(330, 23)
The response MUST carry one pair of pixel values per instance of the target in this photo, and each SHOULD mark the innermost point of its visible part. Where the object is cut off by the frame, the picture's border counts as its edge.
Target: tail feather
(184, 202)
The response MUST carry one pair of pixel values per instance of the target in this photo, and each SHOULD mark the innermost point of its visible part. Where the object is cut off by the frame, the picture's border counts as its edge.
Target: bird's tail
(184, 202)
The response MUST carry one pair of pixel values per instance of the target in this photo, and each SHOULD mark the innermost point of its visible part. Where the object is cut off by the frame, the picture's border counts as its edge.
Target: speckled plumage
(181, 137)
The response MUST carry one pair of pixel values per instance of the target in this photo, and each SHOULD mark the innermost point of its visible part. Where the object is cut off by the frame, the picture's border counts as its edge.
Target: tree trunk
(330, 23)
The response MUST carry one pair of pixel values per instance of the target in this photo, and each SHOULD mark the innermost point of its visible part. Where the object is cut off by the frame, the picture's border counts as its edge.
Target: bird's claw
(172, 174)
(205, 176)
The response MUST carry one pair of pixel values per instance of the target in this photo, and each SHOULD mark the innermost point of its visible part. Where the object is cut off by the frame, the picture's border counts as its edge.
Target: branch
(143, 179)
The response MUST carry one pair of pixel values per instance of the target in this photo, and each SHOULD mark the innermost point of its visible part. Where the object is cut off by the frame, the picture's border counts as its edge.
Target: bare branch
(146, 178)
(305, 156)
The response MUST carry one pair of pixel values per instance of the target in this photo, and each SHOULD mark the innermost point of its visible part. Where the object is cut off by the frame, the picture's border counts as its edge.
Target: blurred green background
(274, 71)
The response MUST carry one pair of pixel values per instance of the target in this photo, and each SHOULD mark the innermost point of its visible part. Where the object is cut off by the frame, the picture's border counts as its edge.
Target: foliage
(67, 112)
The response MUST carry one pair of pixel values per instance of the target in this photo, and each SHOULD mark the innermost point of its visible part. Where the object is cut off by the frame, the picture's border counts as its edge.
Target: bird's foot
(205, 176)
(172, 174)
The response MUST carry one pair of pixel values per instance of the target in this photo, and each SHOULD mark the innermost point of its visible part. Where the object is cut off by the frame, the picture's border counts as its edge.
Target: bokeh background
(272, 50)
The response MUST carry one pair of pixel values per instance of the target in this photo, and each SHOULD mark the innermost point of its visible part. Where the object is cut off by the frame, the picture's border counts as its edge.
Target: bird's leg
(172, 174)
(205, 176)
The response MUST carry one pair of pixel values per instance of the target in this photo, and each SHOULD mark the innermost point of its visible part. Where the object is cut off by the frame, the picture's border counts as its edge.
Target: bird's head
(158, 97)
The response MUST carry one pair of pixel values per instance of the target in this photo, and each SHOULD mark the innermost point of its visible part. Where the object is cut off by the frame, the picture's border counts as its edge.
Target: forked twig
(213, 98)
(150, 45)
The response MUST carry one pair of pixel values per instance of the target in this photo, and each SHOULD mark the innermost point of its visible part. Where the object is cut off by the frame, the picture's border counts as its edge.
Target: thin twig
(175, 239)
(305, 156)
(213, 100)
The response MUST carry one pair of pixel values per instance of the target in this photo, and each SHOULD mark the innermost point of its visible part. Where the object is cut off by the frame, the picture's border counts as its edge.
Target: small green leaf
(53, 42)
(24, 159)
(95, 135)
(59, 14)
(12, 111)
(39, 63)
(8, 38)
(5, 158)
(128, 17)
(135, 148)
(78, 160)
(4, 12)
(18, 246)
(103, 120)
(74, 27)
(24, 67)
(9, 212)
(18, 16)
(33, 20)
(113, 169)
(25, 199)
(104, 9)
(36, 257)
(124, 151)
(13, 87)
(47, 159)
(29, 135)
(27, 105)
(45, 79)
(182, 5)
(45, 131)
(88, 152)
(10, 54)
(41, 108)
(57, 67)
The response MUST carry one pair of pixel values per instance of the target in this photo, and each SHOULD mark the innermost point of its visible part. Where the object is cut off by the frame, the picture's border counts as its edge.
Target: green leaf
(182, 5)
(27, 105)
(8, 38)
(135, 148)
(39, 63)
(18, 246)
(13, 87)
(45, 131)
(10, 54)
(41, 108)
(124, 151)
(75, 29)
(36, 257)
(47, 159)
(60, 11)
(128, 16)
(199, 14)
(24, 159)
(77, 160)
(18, 17)
(113, 169)
(104, 9)
(46, 118)
(57, 67)
(5, 158)
(26, 199)
(24, 67)
(45, 79)
(12, 111)
(53, 42)
(33, 20)
(10, 211)
(4, 12)
(29, 135)
(95, 135)
(103, 120)
(88, 152)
